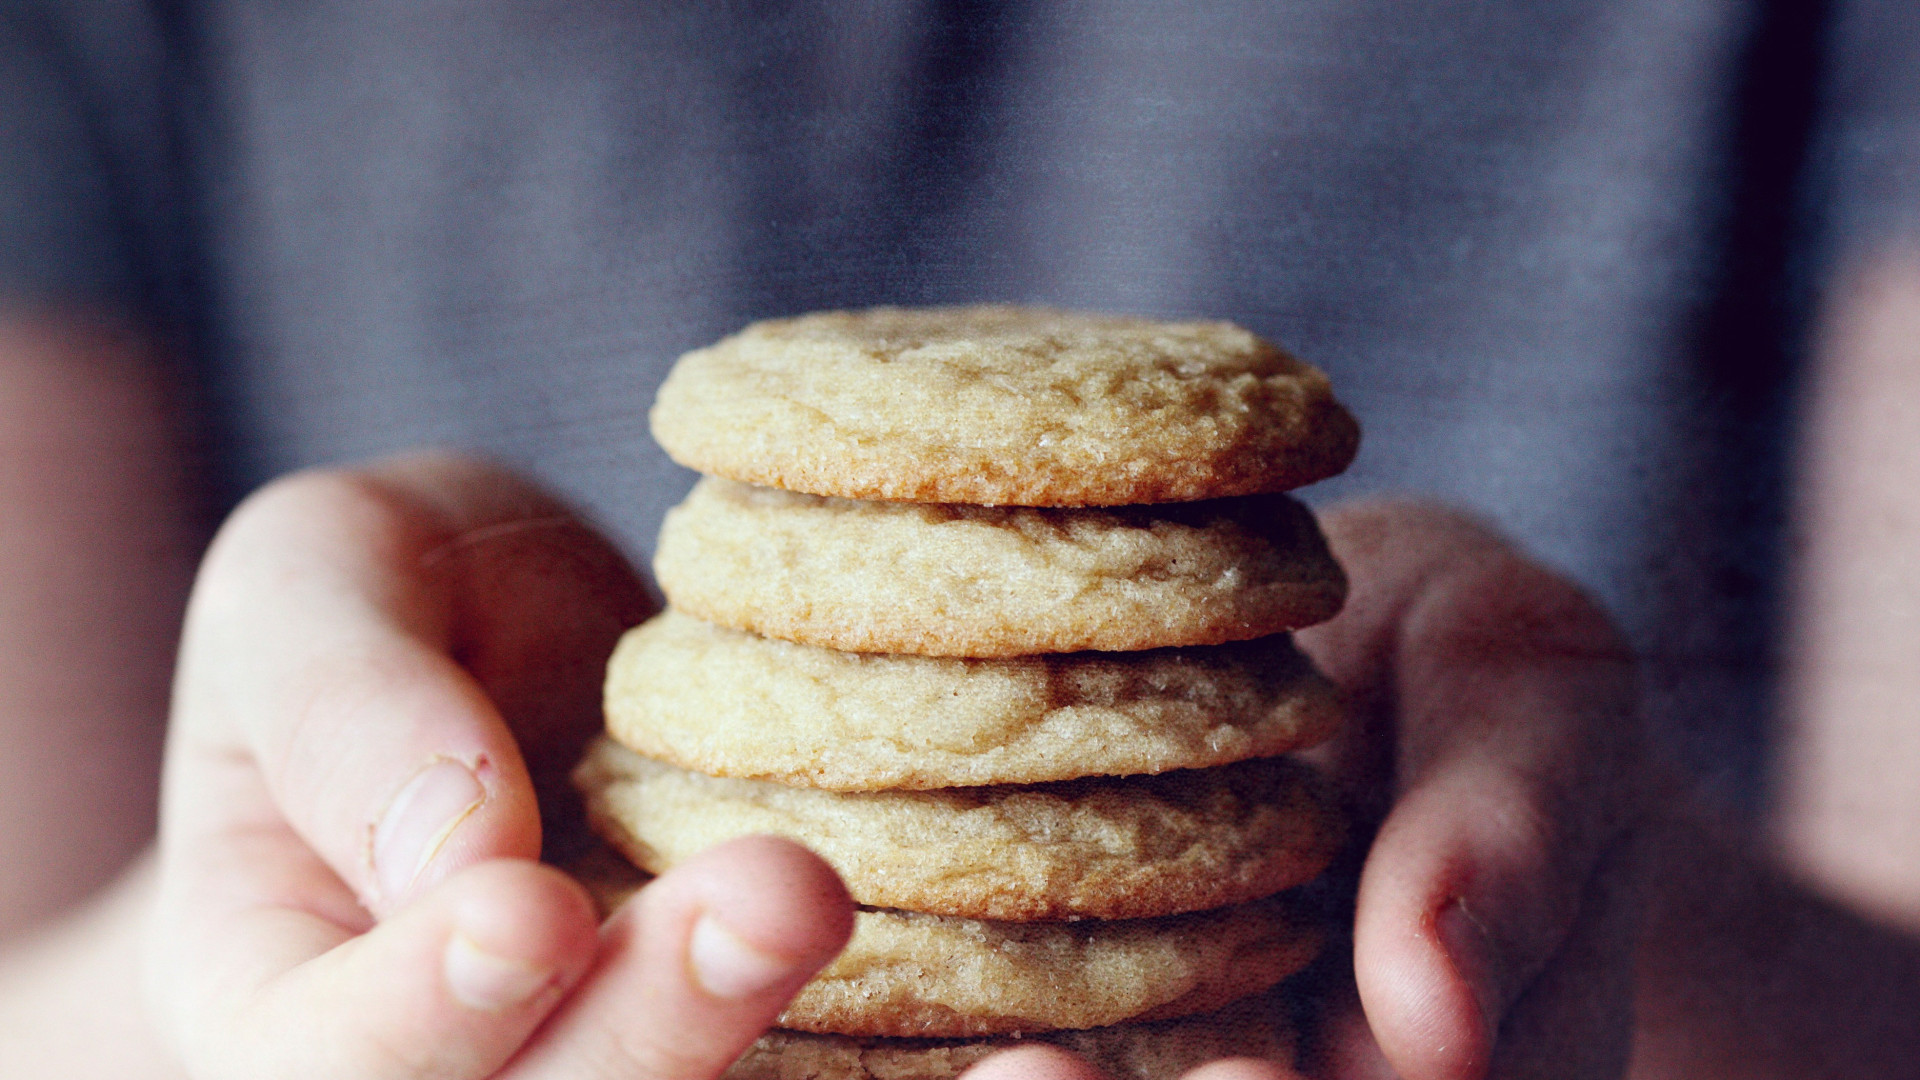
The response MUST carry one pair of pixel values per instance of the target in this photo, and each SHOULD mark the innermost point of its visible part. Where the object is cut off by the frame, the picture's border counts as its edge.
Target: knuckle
(1529, 610)
(292, 502)
(326, 694)
(1541, 833)
(1531, 815)
(391, 1055)
(647, 1056)
(297, 513)
(307, 534)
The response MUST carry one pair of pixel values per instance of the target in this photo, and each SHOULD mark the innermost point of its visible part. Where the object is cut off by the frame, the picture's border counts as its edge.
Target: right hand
(1496, 757)
(377, 667)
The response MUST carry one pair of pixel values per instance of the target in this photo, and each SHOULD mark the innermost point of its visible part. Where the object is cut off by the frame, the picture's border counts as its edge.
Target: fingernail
(727, 967)
(1470, 948)
(480, 980)
(419, 821)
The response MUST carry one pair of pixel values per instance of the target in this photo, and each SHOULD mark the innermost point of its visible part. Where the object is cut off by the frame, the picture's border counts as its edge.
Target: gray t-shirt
(1554, 253)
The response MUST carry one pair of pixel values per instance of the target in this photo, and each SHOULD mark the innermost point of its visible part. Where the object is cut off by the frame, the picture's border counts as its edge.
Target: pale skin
(377, 662)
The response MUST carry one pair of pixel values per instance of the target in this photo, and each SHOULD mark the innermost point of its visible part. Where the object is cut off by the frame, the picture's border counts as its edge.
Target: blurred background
(1561, 257)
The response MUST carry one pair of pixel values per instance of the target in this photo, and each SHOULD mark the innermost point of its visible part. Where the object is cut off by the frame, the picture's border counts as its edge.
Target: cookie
(952, 580)
(1110, 848)
(1257, 1028)
(732, 704)
(999, 405)
(908, 974)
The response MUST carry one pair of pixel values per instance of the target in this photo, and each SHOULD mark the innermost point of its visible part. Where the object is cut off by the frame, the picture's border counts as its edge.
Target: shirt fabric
(1556, 254)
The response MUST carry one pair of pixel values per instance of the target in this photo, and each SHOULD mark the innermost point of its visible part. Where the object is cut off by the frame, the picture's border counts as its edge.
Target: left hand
(377, 666)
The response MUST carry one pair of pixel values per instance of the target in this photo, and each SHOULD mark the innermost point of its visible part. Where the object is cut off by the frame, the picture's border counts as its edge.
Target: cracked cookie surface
(728, 703)
(1258, 1028)
(909, 974)
(1107, 848)
(1001, 405)
(956, 580)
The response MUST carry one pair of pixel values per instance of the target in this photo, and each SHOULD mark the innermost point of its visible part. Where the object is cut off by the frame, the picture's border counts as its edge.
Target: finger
(449, 988)
(1342, 1046)
(1040, 1062)
(696, 966)
(1512, 729)
(1240, 1069)
(325, 645)
(1391, 553)
(540, 602)
(1575, 1022)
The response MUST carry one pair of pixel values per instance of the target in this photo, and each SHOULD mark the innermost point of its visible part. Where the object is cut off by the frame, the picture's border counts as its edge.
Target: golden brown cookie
(1108, 848)
(1000, 405)
(906, 974)
(1258, 1028)
(951, 580)
(732, 704)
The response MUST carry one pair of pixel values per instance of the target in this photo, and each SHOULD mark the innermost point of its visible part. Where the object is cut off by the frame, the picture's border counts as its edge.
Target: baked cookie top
(728, 703)
(1106, 848)
(946, 579)
(1000, 405)
(1259, 1027)
(909, 974)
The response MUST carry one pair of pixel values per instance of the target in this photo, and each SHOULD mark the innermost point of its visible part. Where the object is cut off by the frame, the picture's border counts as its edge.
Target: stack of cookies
(989, 607)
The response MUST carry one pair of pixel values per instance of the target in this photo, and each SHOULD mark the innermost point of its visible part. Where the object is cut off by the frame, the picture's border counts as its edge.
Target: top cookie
(998, 405)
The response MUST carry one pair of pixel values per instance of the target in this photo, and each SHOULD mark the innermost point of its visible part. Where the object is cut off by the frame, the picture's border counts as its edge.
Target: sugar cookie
(728, 703)
(999, 405)
(908, 974)
(952, 580)
(1110, 848)
(1258, 1027)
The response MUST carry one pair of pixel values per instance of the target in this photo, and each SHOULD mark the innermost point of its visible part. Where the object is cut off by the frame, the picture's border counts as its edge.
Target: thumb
(1510, 711)
(332, 670)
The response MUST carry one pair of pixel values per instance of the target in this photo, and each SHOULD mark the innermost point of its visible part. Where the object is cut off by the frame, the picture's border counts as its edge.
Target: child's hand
(376, 663)
(1496, 744)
